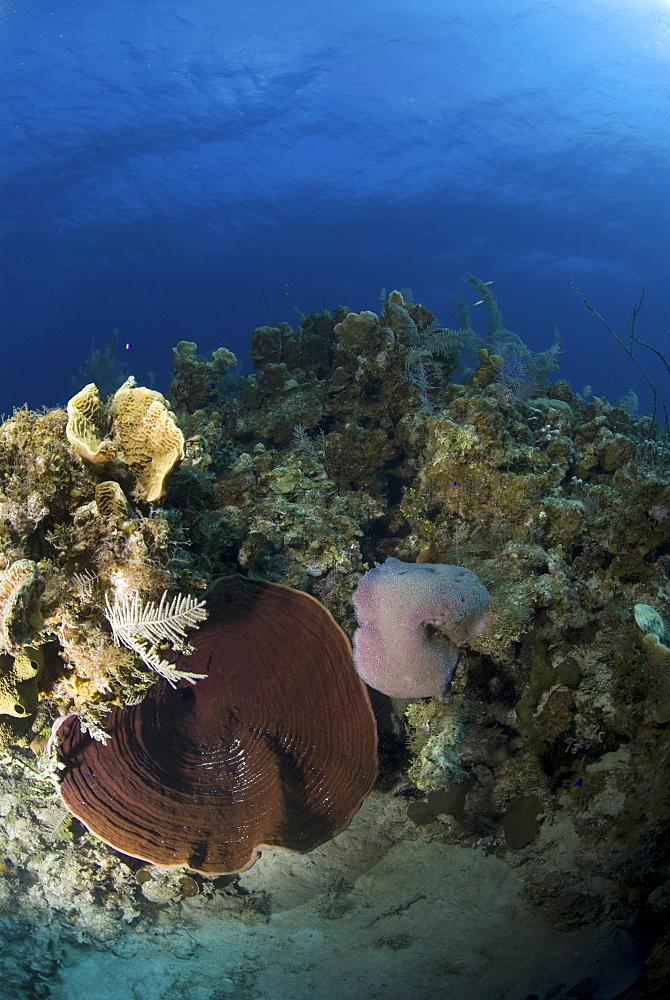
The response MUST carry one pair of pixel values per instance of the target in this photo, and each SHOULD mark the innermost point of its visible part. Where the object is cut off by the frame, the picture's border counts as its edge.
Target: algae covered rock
(658, 679)
(359, 332)
(196, 380)
(649, 620)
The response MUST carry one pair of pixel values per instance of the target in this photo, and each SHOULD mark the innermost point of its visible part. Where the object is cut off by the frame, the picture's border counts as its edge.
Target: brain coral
(413, 617)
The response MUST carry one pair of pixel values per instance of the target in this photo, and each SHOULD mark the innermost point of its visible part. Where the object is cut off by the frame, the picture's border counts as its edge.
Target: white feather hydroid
(143, 626)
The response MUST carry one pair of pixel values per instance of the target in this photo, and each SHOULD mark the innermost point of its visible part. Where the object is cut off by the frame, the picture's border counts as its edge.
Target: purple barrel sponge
(413, 617)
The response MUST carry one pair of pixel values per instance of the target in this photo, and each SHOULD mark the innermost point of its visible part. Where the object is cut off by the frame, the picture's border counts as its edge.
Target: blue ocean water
(164, 163)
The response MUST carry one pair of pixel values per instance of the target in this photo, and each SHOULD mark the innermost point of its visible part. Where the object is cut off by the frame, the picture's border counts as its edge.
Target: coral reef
(69, 539)
(363, 437)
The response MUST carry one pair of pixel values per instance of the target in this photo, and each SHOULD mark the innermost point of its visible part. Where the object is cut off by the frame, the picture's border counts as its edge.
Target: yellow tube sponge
(147, 437)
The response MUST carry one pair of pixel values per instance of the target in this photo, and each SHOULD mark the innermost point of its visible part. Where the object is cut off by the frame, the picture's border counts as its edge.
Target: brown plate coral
(275, 746)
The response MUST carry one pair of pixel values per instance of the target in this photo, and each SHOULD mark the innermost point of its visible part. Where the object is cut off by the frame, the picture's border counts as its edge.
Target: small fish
(129, 347)
(286, 293)
(478, 303)
(488, 282)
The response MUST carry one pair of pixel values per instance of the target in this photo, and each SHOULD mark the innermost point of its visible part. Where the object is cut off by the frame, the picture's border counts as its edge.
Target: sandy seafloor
(387, 910)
